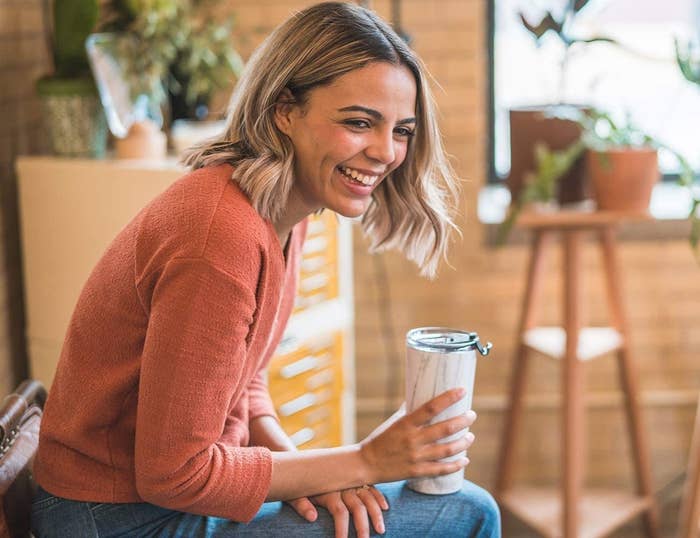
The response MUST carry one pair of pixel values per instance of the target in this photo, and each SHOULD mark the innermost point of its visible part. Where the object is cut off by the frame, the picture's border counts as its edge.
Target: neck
(294, 212)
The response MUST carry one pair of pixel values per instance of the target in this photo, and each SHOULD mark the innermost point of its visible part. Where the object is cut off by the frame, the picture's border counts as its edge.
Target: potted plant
(174, 52)
(548, 123)
(75, 121)
(205, 63)
(620, 163)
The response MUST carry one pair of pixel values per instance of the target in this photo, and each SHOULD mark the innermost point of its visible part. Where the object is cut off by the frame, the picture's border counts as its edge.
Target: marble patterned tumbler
(437, 360)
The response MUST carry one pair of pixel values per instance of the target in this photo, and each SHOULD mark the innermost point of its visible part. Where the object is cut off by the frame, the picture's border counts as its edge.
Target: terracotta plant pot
(623, 179)
(144, 141)
(530, 125)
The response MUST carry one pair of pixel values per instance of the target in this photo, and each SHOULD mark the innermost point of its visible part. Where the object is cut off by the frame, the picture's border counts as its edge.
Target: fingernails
(471, 415)
(470, 437)
(461, 391)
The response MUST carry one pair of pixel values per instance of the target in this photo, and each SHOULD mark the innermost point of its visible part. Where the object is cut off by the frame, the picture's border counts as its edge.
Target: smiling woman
(348, 136)
(162, 376)
(412, 208)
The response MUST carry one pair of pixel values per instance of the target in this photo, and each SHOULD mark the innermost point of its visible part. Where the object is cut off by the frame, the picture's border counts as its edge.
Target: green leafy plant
(173, 47)
(562, 25)
(73, 21)
(541, 184)
(600, 133)
(688, 60)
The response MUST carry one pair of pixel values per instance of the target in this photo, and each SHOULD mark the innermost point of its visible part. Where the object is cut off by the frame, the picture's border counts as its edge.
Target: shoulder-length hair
(412, 210)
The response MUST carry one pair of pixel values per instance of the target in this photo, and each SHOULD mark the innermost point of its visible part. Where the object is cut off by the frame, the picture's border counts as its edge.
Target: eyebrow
(374, 113)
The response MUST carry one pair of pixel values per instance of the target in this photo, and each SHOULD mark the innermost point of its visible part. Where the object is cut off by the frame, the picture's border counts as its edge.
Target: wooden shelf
(600, 510)
(592, 341)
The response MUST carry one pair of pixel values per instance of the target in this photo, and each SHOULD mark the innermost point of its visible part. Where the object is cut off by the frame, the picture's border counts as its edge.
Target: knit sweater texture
(163, 364)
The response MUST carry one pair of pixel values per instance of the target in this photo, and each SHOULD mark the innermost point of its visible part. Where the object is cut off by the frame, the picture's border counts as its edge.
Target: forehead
(389, 89)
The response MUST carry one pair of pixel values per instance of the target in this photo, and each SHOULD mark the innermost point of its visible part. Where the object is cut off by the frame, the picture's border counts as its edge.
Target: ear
(283, 111)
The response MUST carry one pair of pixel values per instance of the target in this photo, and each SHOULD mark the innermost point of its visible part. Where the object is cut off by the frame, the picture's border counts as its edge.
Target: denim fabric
(471, 512)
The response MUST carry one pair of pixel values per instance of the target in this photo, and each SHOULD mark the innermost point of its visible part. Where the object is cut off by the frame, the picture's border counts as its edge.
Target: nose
(381, 148)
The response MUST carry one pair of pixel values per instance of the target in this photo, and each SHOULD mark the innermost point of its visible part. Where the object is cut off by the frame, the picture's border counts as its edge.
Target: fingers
(428, 410)
(470, 439)
(446, 428)
(341, 518)
(439, 468)
(305, 508)
(379, 496)
(434, 457)
(358, 511)
(439, 451)
(375, 503)
(365, 505)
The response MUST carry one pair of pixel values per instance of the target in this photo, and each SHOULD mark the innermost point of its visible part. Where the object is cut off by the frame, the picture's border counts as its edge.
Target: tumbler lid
(444, 339)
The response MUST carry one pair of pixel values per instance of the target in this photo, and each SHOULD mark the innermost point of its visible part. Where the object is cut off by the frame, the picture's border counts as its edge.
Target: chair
(20, 416)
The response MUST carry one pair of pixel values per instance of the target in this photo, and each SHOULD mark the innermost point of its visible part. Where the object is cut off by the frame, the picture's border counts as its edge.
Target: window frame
(493, 178)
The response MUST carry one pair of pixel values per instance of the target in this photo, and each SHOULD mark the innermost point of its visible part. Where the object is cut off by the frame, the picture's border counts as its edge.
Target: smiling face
(347, 137)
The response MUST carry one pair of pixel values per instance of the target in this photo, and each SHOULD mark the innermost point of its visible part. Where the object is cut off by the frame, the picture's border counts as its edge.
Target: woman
(159, 422)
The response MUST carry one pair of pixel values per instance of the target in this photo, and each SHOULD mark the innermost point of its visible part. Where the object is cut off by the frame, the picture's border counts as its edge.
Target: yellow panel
(318, 279)
(325, 433)
(310, 381)
(305, 355)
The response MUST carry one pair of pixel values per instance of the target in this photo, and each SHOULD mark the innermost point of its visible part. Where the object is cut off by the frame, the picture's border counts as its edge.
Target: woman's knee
(480, 508)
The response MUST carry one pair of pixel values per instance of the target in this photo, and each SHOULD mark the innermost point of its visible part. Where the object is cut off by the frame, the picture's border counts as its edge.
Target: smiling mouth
(357, 177)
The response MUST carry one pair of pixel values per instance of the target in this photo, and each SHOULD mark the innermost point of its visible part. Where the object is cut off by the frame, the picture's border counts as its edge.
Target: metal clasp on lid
(483, 350)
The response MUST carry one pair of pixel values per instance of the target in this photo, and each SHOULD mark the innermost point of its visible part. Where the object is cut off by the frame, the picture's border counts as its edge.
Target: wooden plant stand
(568, 511)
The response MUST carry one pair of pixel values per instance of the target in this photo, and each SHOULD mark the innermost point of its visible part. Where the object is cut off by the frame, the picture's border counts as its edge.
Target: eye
(358, 123)
(404, 132)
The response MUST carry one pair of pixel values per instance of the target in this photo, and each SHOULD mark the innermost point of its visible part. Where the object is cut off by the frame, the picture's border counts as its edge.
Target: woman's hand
(399, 413)
(364, 504)
(409, 446)
(304, 507)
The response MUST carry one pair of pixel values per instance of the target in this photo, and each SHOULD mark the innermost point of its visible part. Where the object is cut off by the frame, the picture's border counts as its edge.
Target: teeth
(362, 178)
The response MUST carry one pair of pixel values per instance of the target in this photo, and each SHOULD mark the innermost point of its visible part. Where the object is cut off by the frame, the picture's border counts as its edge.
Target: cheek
(344, 142)
(334, 145)
(400, 152)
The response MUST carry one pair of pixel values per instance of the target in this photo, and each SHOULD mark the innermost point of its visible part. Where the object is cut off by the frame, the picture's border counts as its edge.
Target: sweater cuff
(260, 489)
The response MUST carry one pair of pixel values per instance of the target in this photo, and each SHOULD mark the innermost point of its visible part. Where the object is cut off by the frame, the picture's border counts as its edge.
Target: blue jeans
(471, 512)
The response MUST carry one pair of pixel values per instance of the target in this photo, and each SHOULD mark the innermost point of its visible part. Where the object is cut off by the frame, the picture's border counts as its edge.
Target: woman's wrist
(364, 465)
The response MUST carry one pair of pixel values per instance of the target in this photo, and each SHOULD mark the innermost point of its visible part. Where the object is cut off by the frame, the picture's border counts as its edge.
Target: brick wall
(23, 58)
(483, 290)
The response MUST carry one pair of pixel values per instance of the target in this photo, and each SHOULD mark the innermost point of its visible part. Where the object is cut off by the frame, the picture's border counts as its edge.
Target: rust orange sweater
(163, 363)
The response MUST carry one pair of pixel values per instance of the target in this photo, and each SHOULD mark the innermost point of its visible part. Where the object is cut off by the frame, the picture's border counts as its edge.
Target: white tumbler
(439, 359)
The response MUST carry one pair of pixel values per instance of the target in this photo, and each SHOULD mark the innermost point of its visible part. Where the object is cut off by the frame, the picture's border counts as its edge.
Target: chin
(350, 212)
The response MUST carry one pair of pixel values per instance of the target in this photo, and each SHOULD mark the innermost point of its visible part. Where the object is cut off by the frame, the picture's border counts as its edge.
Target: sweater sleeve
(193, 361)
(260, 402)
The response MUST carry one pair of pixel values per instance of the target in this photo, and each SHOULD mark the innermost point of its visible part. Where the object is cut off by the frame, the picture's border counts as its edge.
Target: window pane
(639, 78)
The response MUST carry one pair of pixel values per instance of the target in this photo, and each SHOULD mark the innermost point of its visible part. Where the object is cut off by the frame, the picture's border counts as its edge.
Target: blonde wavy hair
(412, 210)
